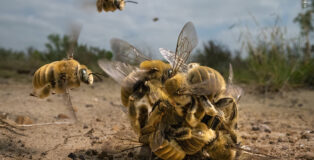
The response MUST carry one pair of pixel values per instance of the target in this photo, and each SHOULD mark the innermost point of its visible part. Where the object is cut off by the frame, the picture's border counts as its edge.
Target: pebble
(72, 155)
(89, 105)
(91, 152)
(81, 157)
(255, 128)
(23, 120)
(62, 116)
(266, 128)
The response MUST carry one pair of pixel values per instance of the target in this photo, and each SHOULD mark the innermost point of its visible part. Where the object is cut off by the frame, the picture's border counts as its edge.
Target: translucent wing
(233, 90)
(75, 31)
(170, 57)
(125, 52)
(187, 41)
(116, 70)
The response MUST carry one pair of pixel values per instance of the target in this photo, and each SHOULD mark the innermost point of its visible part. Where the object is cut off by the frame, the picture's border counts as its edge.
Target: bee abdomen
(171, 151)
(39, 79)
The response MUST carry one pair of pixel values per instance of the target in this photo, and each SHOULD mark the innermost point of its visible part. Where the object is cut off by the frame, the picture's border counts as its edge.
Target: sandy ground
(281, 125)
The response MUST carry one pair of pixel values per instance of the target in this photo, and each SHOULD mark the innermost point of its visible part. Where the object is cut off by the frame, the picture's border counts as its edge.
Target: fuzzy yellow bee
(133, 80)
(111, 5)
(60, 76)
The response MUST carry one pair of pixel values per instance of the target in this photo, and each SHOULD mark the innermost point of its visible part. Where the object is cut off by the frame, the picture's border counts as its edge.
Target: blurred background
(268, 42)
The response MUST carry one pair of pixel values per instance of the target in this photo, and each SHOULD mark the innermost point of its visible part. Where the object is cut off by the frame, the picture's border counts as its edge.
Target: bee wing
(233, 90)
(125, 52)
(170, 57)
(75, 31)
(68, 102)
(187, 41)
(116, 70)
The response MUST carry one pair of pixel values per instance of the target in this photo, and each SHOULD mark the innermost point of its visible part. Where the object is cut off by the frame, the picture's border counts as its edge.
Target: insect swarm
(60, 76)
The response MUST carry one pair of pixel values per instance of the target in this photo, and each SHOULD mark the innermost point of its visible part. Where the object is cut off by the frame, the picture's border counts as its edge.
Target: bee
(60, 76)
(111, 5)
(134, 80)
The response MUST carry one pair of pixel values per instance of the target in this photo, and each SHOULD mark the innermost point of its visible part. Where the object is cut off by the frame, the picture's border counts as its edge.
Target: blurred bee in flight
(60, 76)
(111, 5)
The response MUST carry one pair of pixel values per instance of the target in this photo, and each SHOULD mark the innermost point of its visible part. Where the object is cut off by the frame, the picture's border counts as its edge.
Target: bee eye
(169, 73)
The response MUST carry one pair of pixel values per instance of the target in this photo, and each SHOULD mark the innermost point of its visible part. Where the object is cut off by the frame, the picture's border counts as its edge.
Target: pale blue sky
(26, 23)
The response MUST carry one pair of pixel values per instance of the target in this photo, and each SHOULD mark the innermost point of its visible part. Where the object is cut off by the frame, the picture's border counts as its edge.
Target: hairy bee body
(164, 148)
(110, 5)
(59, 75)
(156, 71)
(198, 137)
(144, 83)
(221, 147)
(200, 74)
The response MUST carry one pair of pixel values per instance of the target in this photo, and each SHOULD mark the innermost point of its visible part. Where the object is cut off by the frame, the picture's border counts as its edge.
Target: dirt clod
(62, 116)
(72, 155)
(89, 105)
(23, 120)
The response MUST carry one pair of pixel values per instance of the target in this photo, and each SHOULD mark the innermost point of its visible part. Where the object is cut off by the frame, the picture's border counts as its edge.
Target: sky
(25, 23)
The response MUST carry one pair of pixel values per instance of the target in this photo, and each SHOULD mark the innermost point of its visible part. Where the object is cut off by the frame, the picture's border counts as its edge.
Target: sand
(281, 125)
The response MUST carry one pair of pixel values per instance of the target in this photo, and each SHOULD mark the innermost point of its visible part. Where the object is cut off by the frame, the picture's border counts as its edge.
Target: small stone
(266, 128)
(306, 135)
(98, 120)
(300, 105)
(49, 100)
(72, 155)
(85, 126)
(62, 116)
(23, 120)
(255, 128)
(104, 99)
(284, 148)
(81, 157)
(271, 142)
(280, 139)
(115, 128)
(89, 105)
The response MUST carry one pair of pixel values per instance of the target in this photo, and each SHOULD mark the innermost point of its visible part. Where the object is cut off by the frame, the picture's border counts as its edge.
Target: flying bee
(60, 76)
(111, 5)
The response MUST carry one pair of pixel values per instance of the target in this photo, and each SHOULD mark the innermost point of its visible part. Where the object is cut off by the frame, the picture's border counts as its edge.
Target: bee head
(85, 75)
(157, 69)
(119, 4)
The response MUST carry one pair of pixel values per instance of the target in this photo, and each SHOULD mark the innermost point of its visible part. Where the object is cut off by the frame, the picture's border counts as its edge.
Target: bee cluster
(177, 109)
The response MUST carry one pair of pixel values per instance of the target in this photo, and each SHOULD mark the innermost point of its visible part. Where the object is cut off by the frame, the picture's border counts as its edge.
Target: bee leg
(133, 115)
(45, 92)
(190, 116)
(209, 108)
(61, 85)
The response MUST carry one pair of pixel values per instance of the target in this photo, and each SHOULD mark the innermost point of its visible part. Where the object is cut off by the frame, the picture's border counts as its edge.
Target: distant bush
(214, 55)
(273, 61)
(13, 63)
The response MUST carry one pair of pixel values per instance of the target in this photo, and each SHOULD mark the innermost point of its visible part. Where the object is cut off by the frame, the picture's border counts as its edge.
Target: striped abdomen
(215, 80)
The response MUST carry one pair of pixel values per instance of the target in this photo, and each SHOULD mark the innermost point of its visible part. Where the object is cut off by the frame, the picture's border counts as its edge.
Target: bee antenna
(131, 2)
